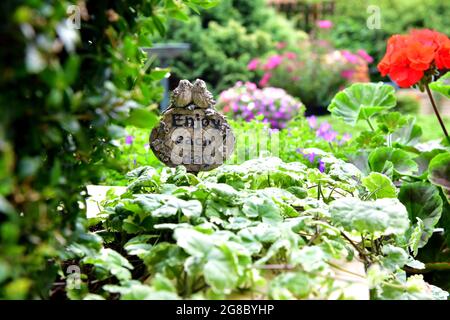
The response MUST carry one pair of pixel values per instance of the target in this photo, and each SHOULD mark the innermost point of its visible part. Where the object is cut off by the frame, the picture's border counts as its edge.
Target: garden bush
(313, 72)
(224, 39)
(220, 53)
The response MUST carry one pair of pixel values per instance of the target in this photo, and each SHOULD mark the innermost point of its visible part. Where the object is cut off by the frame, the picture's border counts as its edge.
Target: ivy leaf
(379, 186)
(361, 101)
(442, 85)
(381, 159)
(439, 172)
(388, 216)
(422, 200)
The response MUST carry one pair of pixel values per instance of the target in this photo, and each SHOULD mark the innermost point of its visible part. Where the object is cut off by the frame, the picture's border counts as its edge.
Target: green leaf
(311, 258)
(387, 216)
(158, 74)
(391, 121)
(439, 172)
(361, 101)
(381, 159)
(394, 257)
(138, 245)
(415, 237)
(379, 186)
(178, 15)
(422, 200)
(288, 286)
(442, 85)
(193, 242)
(111, 261)
(263, 208)
(142, 118)
(424, 159)
(219, 274)
(407, 135)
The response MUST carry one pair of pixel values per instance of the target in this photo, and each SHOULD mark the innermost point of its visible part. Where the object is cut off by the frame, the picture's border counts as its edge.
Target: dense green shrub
(224, 39)
(63, 101)
(219, 54)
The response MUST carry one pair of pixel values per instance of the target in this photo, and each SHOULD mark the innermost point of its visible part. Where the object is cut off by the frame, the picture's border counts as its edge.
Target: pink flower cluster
(246, 101)
(270, 64)
(324, 24)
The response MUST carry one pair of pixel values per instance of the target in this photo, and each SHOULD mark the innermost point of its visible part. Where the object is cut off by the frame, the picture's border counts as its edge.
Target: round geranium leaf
(361, 101)
(422, 200)
(385, 216)
(439, 172)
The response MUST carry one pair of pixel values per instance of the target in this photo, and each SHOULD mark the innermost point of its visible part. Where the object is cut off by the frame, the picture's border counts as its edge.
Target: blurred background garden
(84, 82)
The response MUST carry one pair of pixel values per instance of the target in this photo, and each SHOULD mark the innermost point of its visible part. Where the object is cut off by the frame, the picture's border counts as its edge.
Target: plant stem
(361, 252)
(436, 111)
(370, 124)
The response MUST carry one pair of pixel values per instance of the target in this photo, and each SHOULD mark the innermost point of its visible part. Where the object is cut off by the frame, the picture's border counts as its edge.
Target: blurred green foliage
(66, 93)
(224, 39)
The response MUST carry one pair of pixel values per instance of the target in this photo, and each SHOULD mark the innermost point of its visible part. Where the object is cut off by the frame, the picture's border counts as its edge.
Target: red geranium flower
(409, 56)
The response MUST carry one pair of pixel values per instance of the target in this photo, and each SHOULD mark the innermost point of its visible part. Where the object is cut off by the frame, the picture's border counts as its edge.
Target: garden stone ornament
(191, 132)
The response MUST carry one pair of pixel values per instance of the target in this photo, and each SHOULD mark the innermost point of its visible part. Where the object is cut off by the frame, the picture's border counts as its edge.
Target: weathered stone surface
(200, 139)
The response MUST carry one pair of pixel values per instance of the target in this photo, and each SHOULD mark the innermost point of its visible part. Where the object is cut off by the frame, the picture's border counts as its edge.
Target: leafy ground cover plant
(262, 229)
(384, 171)
(419, 170)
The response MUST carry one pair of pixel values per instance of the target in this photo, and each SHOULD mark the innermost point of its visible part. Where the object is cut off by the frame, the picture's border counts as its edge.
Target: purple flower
(310, 156)
(323, 128)
(329, 136)
(321, 166)
(312, 121)
(299, 150)
(129, 140)
(346, 137)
